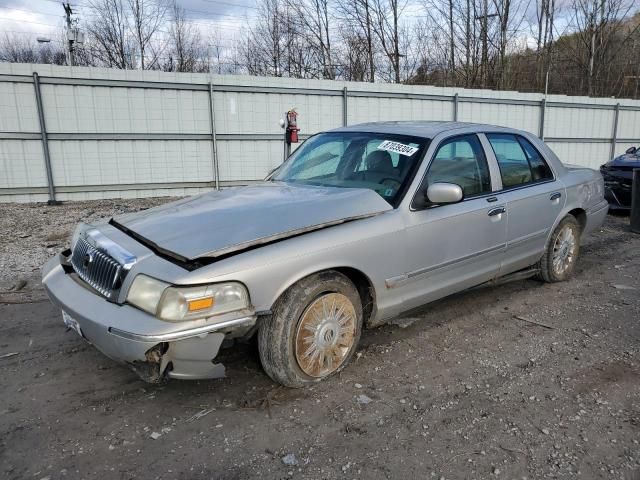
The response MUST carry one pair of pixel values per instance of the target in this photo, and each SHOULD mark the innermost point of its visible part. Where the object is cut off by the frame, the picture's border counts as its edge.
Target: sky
(45, 18)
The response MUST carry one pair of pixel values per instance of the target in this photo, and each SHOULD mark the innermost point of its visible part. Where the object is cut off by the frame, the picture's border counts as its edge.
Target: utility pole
(70, 35)
(74, 35)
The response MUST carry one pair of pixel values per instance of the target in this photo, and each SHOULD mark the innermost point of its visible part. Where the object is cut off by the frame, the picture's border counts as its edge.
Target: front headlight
(176, 304)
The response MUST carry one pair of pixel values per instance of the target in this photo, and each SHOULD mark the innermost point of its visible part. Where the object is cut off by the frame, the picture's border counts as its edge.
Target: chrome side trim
(394, 282)
(526, 238)
(183, 334)
(422, 271)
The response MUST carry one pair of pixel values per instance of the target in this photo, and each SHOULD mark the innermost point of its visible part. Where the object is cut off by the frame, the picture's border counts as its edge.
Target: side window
(513, 163)
(461, 160)
(539, 169)
(519, 162)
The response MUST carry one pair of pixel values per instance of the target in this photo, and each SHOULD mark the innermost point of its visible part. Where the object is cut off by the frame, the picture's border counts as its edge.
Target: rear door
(533, 198)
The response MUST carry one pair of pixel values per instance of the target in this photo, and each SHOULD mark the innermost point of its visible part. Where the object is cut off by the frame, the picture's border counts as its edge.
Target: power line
(32, 12)
(27, 21)
(231, 4)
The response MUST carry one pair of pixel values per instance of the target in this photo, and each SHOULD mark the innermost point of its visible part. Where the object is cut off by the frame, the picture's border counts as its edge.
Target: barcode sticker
(396, 147)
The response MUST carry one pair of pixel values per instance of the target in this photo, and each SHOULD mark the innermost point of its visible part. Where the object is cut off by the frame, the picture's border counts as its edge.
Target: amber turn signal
(200, 304)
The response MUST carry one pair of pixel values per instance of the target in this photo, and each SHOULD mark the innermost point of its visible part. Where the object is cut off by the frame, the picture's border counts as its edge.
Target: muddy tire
(313, 331)
(560, 256)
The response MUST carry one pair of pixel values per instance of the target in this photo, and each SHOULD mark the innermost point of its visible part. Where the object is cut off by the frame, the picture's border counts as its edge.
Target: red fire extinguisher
(292, 127)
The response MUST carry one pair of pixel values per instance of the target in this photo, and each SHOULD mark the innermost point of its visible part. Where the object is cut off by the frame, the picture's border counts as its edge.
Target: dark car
(618, 176)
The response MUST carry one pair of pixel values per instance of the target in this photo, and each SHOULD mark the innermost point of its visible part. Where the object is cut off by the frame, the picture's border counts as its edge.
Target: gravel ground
(30, 234)
(525, 380)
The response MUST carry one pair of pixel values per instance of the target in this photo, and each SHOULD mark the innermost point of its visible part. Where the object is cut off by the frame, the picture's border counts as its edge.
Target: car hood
(226, 221)
(625, 161)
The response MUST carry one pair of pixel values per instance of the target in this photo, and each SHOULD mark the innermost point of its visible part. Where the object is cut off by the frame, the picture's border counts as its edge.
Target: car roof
(425, 129)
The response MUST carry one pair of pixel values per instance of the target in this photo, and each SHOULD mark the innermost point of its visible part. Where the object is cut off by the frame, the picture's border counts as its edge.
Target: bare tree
(147, 18)
(356, 17)
(109, 33)
(386, 17)
(354, 56)
(544, 34)
(596, 23)
(264, 47)
(19, 49)
(186, 49)
(312, 21)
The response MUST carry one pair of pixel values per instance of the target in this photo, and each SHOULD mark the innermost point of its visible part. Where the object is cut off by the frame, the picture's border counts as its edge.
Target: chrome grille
(96, 268)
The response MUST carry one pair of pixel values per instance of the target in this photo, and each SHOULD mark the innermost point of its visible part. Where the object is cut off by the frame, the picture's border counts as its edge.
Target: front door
(455, 246)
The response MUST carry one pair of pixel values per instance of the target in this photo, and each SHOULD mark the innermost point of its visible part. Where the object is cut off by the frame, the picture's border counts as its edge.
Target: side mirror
(443, 193)
(631, 150)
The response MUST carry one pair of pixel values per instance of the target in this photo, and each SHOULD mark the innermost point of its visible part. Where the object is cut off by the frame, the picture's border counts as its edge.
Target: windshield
(380, 162)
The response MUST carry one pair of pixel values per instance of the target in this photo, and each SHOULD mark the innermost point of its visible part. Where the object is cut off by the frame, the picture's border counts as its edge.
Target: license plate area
(71, 323)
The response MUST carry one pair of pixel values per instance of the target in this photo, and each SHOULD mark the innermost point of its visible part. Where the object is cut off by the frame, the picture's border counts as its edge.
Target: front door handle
(555, 196)
(497, 211)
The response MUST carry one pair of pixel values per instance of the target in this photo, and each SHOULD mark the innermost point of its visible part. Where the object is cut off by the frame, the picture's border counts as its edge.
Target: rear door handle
(555, 196)
(497, 211)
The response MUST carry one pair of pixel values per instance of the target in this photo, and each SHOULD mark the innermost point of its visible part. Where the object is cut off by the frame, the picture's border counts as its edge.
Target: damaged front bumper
(153, 348)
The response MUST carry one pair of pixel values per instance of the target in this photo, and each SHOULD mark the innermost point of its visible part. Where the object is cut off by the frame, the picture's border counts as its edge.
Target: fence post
(45, 141)
(634, 219)
(614, 136)
(214, 146)
(455, 107)
(344, 106)
(543, 110)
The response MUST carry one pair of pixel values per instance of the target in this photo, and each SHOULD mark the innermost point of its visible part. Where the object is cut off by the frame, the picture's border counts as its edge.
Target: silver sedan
(359, 225)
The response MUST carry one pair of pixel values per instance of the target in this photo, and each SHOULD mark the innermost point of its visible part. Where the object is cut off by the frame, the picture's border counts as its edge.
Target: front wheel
(559, 259)
(313, 331)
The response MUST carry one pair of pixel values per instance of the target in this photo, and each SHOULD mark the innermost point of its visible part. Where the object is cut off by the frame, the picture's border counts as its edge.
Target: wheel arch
(362, 282)
(580, 215)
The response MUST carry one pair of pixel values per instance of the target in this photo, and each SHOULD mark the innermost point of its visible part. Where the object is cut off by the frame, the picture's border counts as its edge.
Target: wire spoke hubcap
(325, 334)
(564, 250)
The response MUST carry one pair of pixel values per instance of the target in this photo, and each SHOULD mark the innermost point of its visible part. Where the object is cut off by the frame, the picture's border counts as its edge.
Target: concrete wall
(113, 133)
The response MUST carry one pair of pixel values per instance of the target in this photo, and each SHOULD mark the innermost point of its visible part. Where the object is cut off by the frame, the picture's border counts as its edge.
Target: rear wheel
(313, 331)
(559, 259)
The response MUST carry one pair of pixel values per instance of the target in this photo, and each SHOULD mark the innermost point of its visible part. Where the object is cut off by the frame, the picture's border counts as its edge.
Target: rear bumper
(151, 347)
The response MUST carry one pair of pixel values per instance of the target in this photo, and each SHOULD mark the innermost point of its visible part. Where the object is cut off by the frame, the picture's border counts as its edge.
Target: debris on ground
(290, 460)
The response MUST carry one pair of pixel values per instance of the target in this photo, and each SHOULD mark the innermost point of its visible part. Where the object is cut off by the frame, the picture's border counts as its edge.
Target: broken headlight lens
(176, 304)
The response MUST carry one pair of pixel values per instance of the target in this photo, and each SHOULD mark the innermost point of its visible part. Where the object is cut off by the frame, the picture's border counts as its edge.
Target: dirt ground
(469, 387)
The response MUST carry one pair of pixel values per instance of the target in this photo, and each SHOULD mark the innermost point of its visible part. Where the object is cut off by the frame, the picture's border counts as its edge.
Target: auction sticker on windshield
(396, 147)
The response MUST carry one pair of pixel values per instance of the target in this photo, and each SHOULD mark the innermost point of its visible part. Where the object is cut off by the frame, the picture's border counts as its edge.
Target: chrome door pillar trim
(494, 168)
